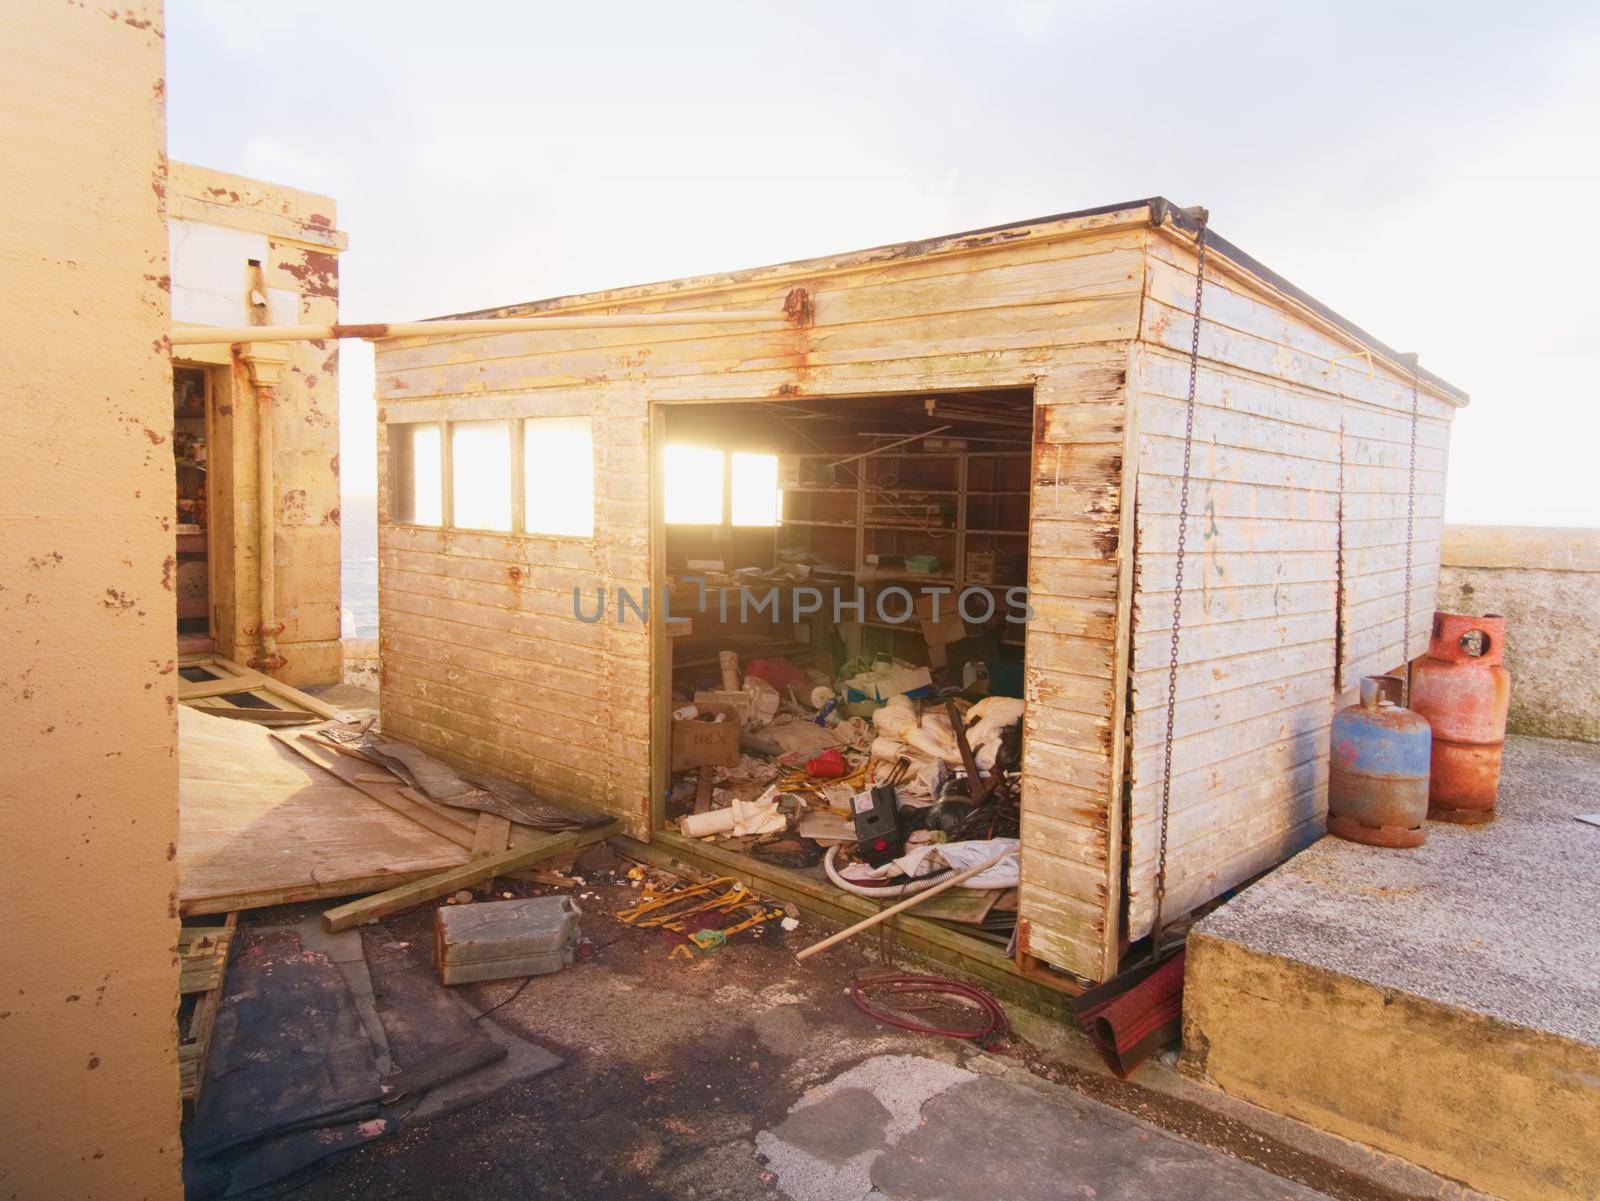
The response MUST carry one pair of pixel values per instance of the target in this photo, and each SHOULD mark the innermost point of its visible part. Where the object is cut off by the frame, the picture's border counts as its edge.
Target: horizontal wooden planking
(1201, 644)
(1209, 532)
(1074, 538)
(622, 790)
(942, 372)
(1198, 791)
(913, 340)
(1058, 689)
(1258, 812)
(1246, 807)
(1214, 605)
(1057, 651)
(1368, 423)
(625, 561)
(1247, 431)
(560, 742)
(1079, 578)
(1165, 373)
(1201, 714)
(1092, 466)
(1076, 616)
(1254, 668)
(1304, 353)
(1063, 878)
(560, 657)
(575, 715)
(518, 660)
(1073, 422)
(1087, 771)
(1309, 452)
(1058, 934)
(998, 281)
(1379, 585)
(1070, 822)
(1161, 455)
(565, 631)
(1157, 571)
(1363, 455)
(1225, 742)
(559, 604)
(1064, 729)
(1230, 861)
(986, 290)
(1170, 328)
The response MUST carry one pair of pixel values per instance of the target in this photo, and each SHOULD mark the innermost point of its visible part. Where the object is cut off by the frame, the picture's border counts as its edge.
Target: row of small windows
(554, 458)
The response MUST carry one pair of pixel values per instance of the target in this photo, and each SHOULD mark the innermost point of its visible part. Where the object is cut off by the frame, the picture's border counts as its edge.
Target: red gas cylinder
(1464, 691)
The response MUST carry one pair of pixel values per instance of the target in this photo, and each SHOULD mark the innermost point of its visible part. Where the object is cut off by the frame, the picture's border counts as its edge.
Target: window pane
(756, 499)
(480, 472)
(558, 476)
(416, 476)
(693, 485)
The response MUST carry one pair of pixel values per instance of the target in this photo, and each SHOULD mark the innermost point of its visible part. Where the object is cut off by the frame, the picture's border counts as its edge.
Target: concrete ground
(1498, 919)
(742, 1074)
(1441, 1003)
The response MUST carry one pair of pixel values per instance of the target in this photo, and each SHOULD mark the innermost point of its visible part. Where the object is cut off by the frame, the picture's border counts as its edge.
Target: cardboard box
(706, 743)
(939, 634)
(739, 702)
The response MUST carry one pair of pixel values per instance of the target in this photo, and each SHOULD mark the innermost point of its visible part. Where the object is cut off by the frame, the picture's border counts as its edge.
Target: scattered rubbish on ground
(883, 995)
(703, 916)
(1135, 1014)
(500, 939)
(878, 778)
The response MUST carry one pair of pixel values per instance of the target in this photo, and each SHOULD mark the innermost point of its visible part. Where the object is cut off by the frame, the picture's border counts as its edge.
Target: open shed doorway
(836, 572)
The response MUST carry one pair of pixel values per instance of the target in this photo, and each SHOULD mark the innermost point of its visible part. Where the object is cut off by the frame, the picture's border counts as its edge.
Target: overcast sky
(1430, 171)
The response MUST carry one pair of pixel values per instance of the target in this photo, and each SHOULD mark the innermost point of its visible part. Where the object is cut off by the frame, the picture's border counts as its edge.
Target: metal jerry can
(1464, 691)
(1378, 769)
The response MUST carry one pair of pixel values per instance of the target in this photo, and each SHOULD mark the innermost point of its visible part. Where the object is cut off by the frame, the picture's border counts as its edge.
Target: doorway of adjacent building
(191, 447)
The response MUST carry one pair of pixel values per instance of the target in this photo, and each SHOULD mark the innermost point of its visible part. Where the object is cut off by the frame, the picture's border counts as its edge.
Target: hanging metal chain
(1411, 517)
(1177, 592)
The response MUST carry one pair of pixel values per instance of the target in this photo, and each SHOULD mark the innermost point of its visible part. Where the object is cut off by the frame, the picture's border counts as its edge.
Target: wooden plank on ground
(342, 917)
(493, 834)
(260, 825)
(395, 795)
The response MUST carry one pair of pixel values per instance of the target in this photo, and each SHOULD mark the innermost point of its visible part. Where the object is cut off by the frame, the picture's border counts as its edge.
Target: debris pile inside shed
(847, 605)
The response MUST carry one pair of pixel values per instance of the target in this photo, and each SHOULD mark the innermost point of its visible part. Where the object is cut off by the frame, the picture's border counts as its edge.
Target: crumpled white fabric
(990, 717)
(932, 857)
(897, 718)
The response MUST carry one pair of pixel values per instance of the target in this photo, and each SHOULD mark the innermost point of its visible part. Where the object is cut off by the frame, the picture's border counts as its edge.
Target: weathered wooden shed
(1318, 461)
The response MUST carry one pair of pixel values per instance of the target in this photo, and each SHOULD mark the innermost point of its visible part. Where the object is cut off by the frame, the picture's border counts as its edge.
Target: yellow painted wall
(1505, 1109)
(217, 222)
(88, 771)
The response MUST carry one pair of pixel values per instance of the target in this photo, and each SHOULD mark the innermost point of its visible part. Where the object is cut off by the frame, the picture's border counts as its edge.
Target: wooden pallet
(224, 688)
(203, 955)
